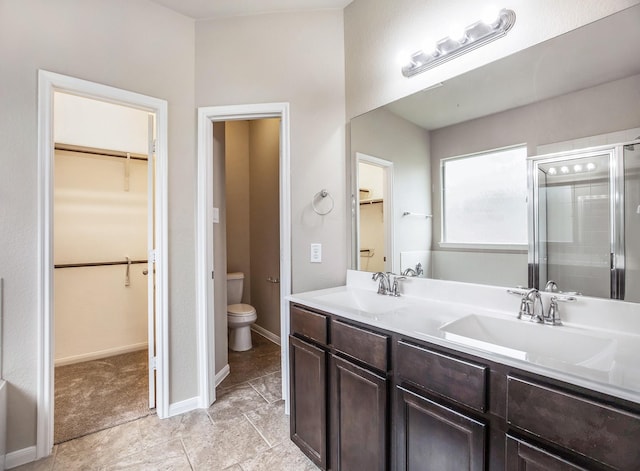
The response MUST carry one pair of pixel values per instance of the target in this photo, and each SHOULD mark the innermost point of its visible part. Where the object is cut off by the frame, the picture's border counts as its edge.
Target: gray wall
(137, 46)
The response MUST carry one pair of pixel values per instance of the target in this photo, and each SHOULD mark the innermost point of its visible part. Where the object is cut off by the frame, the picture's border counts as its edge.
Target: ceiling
(209, 9)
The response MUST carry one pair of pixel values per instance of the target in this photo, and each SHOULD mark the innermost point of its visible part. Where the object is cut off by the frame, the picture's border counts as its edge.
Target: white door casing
(48, 84)
(204, 250)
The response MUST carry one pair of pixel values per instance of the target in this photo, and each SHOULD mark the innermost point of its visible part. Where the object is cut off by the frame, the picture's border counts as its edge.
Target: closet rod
(98, 264)
(96, 151)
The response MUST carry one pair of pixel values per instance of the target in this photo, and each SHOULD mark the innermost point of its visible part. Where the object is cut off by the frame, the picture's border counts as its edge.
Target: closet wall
(100, 215)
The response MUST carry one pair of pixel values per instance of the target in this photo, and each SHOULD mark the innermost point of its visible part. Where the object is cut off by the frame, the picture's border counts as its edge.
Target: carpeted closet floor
(99, 394)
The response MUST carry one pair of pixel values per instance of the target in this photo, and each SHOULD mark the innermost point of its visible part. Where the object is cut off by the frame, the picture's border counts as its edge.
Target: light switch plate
(316, 253)
(216, 215)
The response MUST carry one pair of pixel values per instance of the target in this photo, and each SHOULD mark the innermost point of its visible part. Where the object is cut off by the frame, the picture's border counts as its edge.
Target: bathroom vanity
(421, 383)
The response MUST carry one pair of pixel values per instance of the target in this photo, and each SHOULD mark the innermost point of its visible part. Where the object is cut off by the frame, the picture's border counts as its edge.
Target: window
(484, 198)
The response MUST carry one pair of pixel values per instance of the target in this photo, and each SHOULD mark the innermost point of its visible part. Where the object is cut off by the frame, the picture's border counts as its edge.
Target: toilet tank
(234, 287)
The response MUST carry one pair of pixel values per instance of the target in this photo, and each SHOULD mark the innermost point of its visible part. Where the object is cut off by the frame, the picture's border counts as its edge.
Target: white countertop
(427, 307)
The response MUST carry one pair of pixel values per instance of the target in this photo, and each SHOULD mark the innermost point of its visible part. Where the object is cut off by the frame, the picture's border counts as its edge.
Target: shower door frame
(615, 154)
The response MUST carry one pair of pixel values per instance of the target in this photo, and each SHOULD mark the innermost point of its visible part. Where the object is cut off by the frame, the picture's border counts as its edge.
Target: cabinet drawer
(453, 378)
(309, 324)
(369, 347)
(522, 456)
(597, 431)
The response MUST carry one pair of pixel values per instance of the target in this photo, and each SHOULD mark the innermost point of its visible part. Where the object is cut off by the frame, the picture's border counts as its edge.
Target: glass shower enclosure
(584, 208)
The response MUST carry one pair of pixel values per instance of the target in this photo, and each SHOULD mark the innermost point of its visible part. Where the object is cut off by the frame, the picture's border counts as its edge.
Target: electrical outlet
(316, 253)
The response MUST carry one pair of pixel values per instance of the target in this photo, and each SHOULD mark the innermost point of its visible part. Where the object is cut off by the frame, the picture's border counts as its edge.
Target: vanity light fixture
(464, 40)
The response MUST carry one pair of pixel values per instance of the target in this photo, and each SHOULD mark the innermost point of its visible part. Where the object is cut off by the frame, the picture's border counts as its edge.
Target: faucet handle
(394, 290)
(553, 316)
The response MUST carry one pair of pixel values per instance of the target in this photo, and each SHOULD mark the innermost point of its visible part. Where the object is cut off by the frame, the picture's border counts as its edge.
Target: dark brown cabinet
(308, 399)
(367, 399)
(433, 437)
(522, 456)
(359, 418)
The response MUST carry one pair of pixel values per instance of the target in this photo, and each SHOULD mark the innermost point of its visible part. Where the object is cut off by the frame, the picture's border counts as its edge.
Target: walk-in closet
(101, 278)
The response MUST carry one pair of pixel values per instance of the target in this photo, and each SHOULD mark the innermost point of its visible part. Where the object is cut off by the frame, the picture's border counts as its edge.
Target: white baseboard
(20, 457)
(181, 407)
(100, 354)
(222, 374)
(266, 334)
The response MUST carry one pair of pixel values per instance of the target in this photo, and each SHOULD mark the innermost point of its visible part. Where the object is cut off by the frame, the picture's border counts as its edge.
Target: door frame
(392, 263)
(48, 84)
(207, 116)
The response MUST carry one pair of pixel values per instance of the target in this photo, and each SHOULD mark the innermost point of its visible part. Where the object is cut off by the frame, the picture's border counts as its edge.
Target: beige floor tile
(169, 456)
(154, 430)
(235, 401)
(45, 464)
(95, 450)
(271, 422)
(285, 456)
(230, 442)
(269, 386)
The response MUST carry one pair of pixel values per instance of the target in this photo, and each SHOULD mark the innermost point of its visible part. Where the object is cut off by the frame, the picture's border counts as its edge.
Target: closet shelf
(371, 201)
(96, 151)
(98, 264)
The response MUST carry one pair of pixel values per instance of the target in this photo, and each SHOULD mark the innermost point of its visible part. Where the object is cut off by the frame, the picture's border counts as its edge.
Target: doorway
(374, 179)
(211, 311)
(102, 219)
(155, 178)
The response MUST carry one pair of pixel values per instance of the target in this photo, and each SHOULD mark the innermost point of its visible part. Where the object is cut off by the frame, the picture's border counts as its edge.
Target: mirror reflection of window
(484, 198)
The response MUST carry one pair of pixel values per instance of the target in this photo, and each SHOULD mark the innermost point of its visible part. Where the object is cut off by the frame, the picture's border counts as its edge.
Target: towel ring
(322, 194)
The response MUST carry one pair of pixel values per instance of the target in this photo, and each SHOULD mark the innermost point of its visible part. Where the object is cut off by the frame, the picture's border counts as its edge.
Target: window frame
(482, 246)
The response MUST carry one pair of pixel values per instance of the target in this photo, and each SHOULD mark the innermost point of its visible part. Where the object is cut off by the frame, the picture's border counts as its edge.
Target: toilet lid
(240, 310)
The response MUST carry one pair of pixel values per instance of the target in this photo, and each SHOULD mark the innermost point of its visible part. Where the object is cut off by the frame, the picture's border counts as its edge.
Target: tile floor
(245, 430)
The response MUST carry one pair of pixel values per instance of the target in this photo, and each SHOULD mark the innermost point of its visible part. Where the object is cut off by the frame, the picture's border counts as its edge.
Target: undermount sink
(536, 343)
(362, 300)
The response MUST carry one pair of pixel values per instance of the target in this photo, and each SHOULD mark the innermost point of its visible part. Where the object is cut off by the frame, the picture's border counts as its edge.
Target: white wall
(95, 220)
(377, 30)
(382, 134)
(296, 58)
(137, 46)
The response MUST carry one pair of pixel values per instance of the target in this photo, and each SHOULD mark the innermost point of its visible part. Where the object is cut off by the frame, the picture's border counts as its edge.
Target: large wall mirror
(468, 152)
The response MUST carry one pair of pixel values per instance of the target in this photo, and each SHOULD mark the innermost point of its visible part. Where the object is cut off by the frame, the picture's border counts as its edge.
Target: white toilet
(239, 316)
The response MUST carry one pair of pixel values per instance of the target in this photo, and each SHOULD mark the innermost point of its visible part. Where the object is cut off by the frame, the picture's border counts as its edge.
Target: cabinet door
(359, 418)
(522, 456)
(432, 437)
(307, 369)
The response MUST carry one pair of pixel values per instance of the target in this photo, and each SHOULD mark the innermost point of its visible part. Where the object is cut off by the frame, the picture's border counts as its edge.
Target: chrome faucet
(531, 307)
(417, 271)
(385, 285)
(383, 282)
(551, 286)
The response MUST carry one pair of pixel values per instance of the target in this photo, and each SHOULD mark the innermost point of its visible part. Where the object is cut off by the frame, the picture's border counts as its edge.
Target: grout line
(258, 430)
(184, 448)
(260, 394)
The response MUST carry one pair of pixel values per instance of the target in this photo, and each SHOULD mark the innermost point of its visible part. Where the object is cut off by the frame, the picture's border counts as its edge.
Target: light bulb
(457, 33)
(429, 47)
(564, 169)
(577, 168)
(490, 15)
(591, 166)
(552, 171)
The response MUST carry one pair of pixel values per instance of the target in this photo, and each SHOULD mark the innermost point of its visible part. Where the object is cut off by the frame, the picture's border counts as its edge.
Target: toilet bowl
(239, 316)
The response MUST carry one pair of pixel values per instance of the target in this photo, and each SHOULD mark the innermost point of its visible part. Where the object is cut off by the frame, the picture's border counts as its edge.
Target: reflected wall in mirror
(572, 92)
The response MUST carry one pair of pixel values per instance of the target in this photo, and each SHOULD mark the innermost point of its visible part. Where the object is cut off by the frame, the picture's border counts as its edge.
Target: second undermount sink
(536, 343)
(362, 300)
